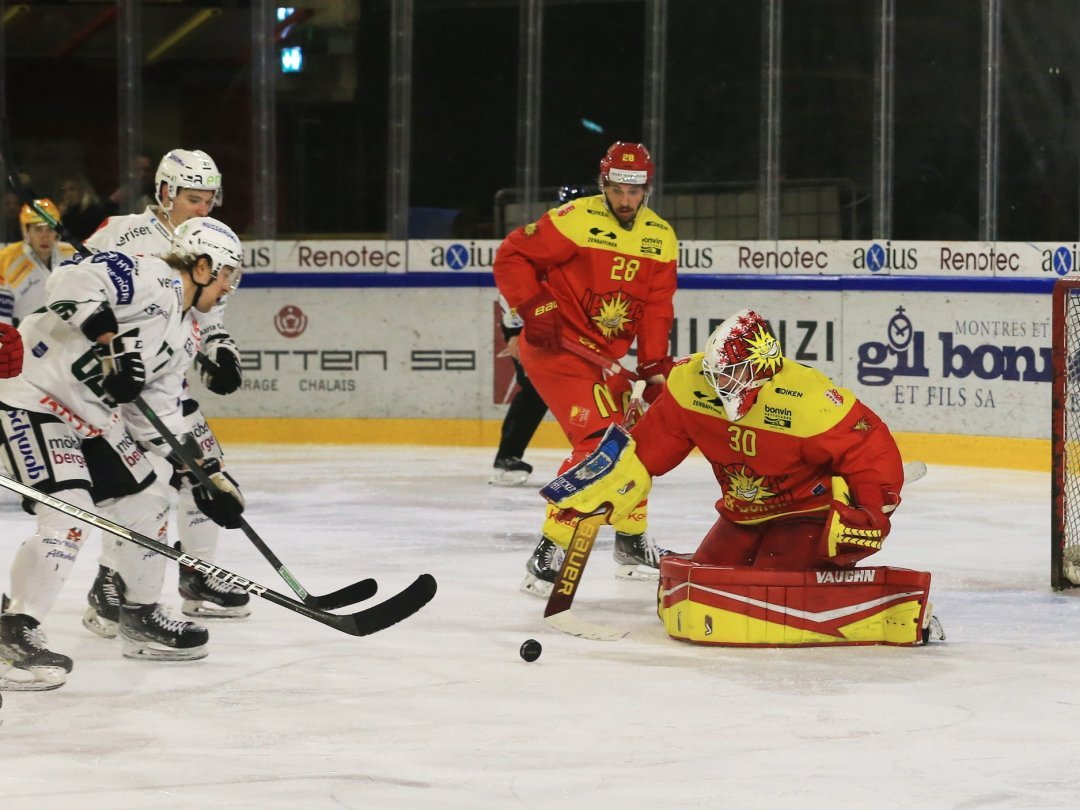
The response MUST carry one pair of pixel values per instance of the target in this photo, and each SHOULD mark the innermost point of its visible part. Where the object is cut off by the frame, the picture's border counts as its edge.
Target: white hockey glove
(124, 374)
(225, 504)
(219, 365)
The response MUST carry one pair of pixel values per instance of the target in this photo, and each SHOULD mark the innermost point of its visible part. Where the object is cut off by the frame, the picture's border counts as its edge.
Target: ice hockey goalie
(809, 478)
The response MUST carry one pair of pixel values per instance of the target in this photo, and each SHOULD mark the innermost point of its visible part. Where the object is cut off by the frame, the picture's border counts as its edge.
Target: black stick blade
(349, 595)
(398, 607)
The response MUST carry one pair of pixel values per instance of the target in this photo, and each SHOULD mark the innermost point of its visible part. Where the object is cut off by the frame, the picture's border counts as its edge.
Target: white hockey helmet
(186, 168)
(206, 236)
(740, 356)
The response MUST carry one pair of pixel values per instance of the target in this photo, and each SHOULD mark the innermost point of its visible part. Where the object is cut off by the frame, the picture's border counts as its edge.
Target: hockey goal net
(1065, 437)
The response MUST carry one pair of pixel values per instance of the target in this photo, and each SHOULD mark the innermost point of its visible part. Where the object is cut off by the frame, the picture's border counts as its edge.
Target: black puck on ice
(530, 650)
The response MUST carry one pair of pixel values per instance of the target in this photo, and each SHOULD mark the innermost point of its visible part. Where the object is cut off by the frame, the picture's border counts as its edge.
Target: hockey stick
(363, 623)
(557, 613)
(23, 193)
(587, 350)
(349, 595)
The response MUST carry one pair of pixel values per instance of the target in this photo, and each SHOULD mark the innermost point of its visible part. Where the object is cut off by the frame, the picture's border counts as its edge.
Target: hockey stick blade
(914, 471)
(362, 623)
(568, 622)
(349, 595)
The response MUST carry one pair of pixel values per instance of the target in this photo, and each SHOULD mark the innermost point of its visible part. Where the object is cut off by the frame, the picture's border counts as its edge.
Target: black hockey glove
(219, 365)
(122, 365)
(225, 504)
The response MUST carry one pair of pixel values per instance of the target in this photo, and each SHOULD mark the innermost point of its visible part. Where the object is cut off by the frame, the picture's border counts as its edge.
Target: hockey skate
(26, 665)
(510, 472)
(207, 597)
(637, 556)
(148, 632)
(932, 627)
(102, 614)
(542, 568)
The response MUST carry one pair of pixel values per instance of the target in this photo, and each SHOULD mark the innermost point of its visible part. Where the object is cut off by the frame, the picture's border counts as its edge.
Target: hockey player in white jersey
(115, 327)
(188, 184)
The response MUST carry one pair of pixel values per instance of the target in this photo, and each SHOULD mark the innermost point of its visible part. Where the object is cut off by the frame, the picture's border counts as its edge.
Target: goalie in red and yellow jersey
(588, 279)
(810, 476)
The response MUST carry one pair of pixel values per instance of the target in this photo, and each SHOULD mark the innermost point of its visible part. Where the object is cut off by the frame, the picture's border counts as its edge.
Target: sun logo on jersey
(862, 426)
(745, 487)
(612, 316)
(764, 352)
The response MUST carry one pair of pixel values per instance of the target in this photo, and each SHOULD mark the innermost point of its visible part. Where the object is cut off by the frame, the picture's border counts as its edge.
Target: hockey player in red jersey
(588, 279)
(809, 477)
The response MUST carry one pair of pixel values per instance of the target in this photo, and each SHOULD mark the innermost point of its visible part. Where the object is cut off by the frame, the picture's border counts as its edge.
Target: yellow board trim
(933, 448)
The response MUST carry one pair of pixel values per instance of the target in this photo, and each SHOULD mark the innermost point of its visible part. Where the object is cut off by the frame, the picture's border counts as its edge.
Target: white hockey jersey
(147, 234)
(61, 371)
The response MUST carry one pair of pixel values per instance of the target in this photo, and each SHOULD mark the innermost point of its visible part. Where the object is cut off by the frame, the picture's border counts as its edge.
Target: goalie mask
(185, 168)
(206, 236)
(740, 356)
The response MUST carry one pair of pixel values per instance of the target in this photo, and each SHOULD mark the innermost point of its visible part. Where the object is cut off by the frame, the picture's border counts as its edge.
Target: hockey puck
(530, 650)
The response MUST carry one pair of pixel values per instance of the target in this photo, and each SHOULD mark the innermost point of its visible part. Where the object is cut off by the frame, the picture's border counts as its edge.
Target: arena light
(292, 59)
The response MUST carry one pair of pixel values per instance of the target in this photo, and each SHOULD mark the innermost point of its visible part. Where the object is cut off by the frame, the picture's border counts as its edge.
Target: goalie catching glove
(858, 522)
(224, 504)
(219, 365)
(124, 373)
(611, 477)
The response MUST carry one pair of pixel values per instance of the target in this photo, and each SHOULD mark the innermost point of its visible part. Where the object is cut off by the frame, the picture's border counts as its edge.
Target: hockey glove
(654, 368)
(225, 504)
(219, 365)
(857, 523)
(611, 475)
(122, 365)
(11, 351)
(542, 322)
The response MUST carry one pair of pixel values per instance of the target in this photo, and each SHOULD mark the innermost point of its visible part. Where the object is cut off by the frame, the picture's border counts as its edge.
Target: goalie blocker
(747, 607)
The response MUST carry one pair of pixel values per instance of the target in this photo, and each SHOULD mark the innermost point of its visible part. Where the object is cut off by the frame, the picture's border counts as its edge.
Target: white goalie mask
(206, 236)
(740, 356)
(186, 168)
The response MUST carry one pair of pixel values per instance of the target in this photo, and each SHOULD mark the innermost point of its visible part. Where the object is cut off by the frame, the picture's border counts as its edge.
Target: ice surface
(440, 712)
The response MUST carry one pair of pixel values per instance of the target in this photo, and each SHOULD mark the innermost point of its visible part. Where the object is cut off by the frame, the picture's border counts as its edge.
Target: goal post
(1065, 437)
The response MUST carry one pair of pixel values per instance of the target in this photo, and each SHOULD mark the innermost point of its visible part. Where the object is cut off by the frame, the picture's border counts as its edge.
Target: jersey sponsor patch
(834, 396)
(120, 267)
(777, 417)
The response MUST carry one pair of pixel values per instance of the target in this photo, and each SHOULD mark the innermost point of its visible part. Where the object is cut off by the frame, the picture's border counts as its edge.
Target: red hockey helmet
(628, 163)
(740, 356)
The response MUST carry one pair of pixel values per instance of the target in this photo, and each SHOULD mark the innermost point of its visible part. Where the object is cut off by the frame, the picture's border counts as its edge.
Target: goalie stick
(349, 595)
(398, 607)
(557, 613)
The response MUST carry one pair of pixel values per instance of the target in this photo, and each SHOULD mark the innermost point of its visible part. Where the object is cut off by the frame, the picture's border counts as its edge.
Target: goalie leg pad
(707, 604)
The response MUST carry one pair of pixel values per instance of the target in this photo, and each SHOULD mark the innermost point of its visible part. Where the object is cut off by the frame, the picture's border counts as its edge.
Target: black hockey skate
(26, 664)
(102, 614)
(510, 472)
(207, 597)
(150, 633)
(638, 557)
(542, 568)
